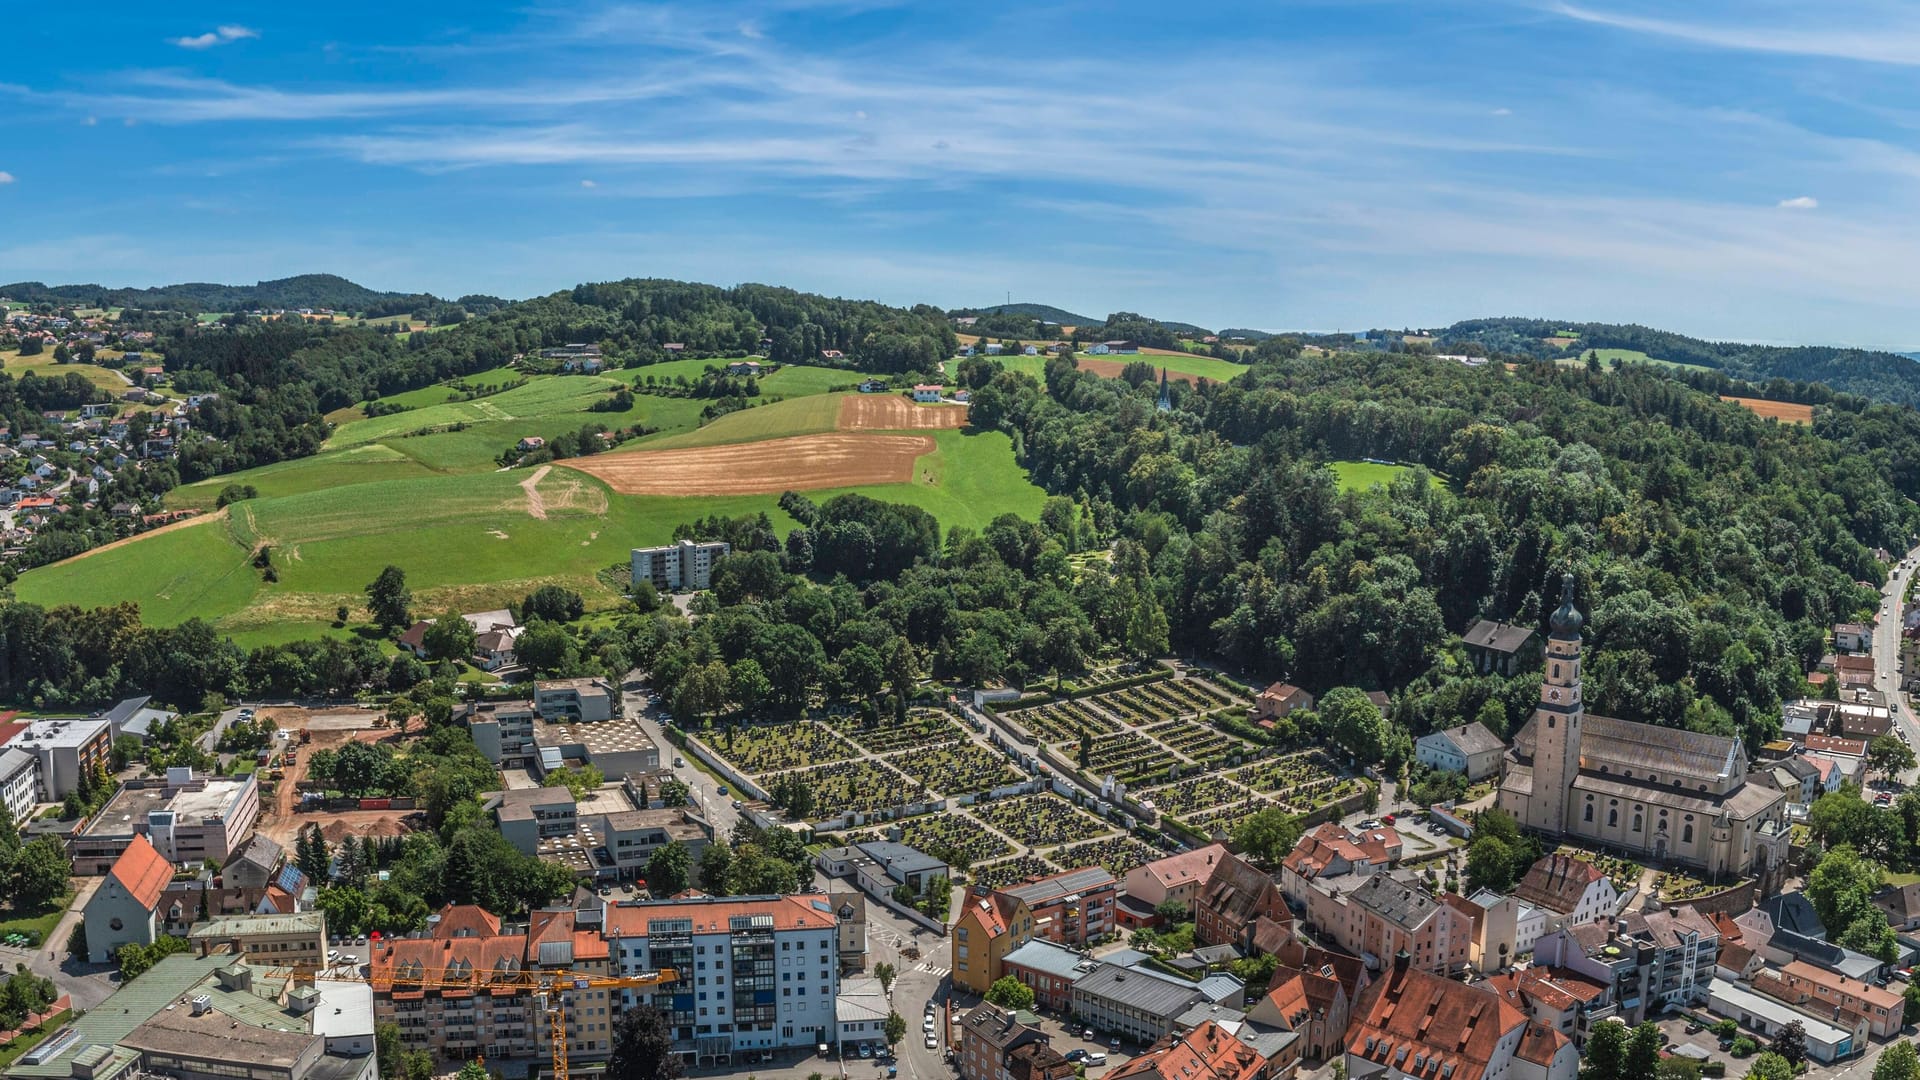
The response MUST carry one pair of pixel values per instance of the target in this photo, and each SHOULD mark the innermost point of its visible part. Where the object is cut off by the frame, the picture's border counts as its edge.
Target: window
(1589, 817)
(1613, 817)
(1686, 835)
(1636, 821)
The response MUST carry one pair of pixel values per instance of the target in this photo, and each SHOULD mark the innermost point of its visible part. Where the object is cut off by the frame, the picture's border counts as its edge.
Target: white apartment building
(19, 782)
(679, 567)
(755, 973)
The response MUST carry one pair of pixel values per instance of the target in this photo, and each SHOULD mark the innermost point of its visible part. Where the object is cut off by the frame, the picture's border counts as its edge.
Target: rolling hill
(303, 291)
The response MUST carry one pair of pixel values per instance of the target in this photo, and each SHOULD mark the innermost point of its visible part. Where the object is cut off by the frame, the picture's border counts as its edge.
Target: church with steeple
(1165, 404)
(1663, 794)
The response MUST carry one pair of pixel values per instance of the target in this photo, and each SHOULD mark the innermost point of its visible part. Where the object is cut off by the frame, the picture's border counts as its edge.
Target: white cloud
(1890, 39)
(219, 36)
(6, 178)
(1503, 111)
(91, 121)
(588, 184)
(752, 32)
(1799, 202)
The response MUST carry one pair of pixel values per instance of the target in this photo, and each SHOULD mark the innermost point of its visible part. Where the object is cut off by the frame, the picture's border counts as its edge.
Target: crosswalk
(932, 968)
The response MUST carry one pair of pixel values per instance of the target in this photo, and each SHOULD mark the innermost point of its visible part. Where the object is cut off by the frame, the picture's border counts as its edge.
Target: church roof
(1744, 801)
(1621, 745)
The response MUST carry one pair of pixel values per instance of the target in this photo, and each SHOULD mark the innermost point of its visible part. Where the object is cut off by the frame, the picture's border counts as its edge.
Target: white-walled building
(679, 567)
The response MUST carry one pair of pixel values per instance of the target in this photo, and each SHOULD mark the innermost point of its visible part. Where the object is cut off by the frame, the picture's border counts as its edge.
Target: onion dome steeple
(1567, 620)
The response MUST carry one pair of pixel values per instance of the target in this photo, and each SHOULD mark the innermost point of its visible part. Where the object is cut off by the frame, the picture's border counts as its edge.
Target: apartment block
(681, 567)
(188, 818)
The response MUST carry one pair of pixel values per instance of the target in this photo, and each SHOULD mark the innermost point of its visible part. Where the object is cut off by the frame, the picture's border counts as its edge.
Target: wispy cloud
(6, 177)
(588, 184)
(1888, 37)
(218, 36)
(1799, 202)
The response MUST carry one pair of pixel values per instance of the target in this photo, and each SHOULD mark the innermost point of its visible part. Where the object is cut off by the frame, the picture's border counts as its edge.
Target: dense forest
(1883, 376)
(304, 291)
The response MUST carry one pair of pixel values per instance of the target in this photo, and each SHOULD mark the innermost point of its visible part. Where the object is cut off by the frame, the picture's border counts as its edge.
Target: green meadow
(1361, 475)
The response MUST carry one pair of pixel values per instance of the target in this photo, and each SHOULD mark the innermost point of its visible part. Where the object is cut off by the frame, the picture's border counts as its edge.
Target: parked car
(1075, 1054)
(1114, 1042)
(1087, 1034)
(932, 1043)
(679, 762)
(1389, 819)
(721, 790)
(865, 1051)
(1096, 1058)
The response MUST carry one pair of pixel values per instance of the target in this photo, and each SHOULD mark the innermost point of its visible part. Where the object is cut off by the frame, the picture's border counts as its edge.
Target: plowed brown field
(1787, 412)
(1110, 369)
(891, 412)
(768, 467)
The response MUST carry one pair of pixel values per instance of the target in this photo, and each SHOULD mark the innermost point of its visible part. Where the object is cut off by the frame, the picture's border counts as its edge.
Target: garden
(859, 786)
(1183, 797)
(1039, 821)
(1118, 854)
(1012, 871)
(757, 749)
(923, 727)
(957, 768)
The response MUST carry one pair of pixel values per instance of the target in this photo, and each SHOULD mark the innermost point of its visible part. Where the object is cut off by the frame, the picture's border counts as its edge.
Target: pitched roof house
(124, 910)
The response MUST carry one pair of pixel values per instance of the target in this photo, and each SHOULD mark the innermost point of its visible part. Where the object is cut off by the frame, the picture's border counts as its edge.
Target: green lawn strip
(795, 416)
(39, 925)
(199, 570)
(542, 397)
(1205, 367)
(32, 1037)
(371, 463)
(1361, 475)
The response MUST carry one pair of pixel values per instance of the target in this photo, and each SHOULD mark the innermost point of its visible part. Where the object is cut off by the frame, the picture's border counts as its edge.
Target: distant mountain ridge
(303, 291)
(1043, 312)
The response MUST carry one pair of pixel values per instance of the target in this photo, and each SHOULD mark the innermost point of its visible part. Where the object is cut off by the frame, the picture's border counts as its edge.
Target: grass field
(1205, 367)
(795, 416)
(1361, 475)
(1631, 356)
(43, 365)
(542, 397)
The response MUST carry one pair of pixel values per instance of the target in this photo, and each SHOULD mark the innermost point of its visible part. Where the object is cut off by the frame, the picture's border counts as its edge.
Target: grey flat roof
(1138, 988)
(900, 857)
(1056, 960)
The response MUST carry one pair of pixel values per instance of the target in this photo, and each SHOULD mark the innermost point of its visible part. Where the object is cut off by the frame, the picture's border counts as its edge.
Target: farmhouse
(1500, 648)
(926, 392)
(1120, 347)
(737, 367)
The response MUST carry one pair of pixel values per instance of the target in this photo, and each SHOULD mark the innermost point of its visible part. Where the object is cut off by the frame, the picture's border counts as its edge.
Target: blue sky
(1740, 170)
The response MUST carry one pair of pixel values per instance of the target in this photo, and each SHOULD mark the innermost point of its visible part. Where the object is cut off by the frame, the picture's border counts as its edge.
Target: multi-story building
(681, 567)
(19, 782)
(299, 938)
(1209, 1050)
(189, 818)
(988, 1037)
(756, 973)
(1415, 1024)
(603, 836)
(1313, 1005)
(850, 908)
(66, 750)
(1683, 948)
(585, 699)
(1178, 878)
(1469, 749)
(1235, 897)
(986, 930)
(1050, 970)
(503, 730)
(1561, 998)
(1329, 851)
(531, 817)
(1073, 906)
(1819, 991)
(1135, 1003)
(1570, 888)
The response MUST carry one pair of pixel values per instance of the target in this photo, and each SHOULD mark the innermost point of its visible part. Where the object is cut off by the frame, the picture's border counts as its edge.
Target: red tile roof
(1186, 868)
(1208, 1051)
(1418, 1024)
(142, 871)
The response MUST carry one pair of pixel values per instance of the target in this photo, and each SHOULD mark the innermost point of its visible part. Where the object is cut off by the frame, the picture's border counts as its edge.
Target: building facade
(1661, 793)
(986, 930)
(685, 566)
(1073, 906)
(66, 750)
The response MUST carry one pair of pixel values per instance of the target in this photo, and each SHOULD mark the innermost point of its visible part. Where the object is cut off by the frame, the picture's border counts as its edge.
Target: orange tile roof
(1186, 868)
(1208, 1052)
(1878, 996)
(1418, 1024)
(1539, 1044)
(466, 920)
(142, 871)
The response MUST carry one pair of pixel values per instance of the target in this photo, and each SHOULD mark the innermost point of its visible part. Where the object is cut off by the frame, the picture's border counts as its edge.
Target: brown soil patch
(536, 505)
(202, 519)
(797, 463)
(1560, 342)
(331, 729)
(1787, 412)
(891, 412)
(1110, 369)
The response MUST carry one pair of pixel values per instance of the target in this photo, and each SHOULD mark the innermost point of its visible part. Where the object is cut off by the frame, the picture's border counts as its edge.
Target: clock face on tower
(1553, 694)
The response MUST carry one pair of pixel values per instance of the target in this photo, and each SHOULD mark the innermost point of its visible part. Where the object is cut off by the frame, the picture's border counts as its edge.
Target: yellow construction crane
(548, 985)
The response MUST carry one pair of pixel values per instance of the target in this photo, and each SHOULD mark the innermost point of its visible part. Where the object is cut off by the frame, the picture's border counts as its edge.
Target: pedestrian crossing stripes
(932, 968)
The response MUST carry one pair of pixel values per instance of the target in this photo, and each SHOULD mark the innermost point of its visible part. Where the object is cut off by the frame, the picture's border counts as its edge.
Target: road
(1886, 652)
(717, 809)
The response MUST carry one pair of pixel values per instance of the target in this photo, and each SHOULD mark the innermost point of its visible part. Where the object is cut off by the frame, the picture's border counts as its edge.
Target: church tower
(1556, 720)
(1165, 404)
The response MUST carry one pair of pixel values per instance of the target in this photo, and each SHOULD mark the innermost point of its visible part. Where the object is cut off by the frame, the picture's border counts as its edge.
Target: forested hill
(1883, 376)
(304, 291)
(1043, 312)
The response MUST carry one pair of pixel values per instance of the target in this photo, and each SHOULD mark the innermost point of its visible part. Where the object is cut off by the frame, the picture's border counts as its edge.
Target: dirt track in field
(1787, 412)
(768, 467)
(1110, 369)
(891, 412)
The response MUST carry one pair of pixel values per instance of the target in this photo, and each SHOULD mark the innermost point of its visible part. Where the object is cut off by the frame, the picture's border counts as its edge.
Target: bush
(1743, 1047)
(1714, 1068)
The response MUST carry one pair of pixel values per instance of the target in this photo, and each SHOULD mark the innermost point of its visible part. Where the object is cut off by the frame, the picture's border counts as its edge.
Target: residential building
(1276, 701)
(1073, 906)
(1853, 637)
(1570, 888)
(19, 782)
(988, 1037)
(503, 730)
(850, 908)
(985, 931)
(66, 751)
(1233, 899)
(1663, 793)
(685, 566)
(1469, 748)
(199, 1017)
(1134, 1003)
(278, 940)
(1387, 916)
(1827, 1042)
(1415, 1024)
(1823, 992)
(757, 973)
(926, 393)
(189, 818)
(256, 865)
(1330, 851)
(1900, 902)
(1561, 998)
(586, 700)
(1311, 1004)
(1050, 970)
(1497, 648)
(1684, 948)
(1211, 1050)
(1039, 1061)
(1505, 928)
(1178, 878)
(124, 910)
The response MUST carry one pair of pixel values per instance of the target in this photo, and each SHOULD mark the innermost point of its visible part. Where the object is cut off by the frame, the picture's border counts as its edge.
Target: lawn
(1205, 367)
(43, 365)
(1035, 366)
(27, 1040)
(37, 926)
(1361, 475)
(543, 397)
(370, 463)
(799, 380)
(440, 393)
(1631, 356)
(796, 416)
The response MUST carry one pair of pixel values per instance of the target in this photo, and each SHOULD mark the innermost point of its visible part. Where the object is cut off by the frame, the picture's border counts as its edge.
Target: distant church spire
(1165, 404)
